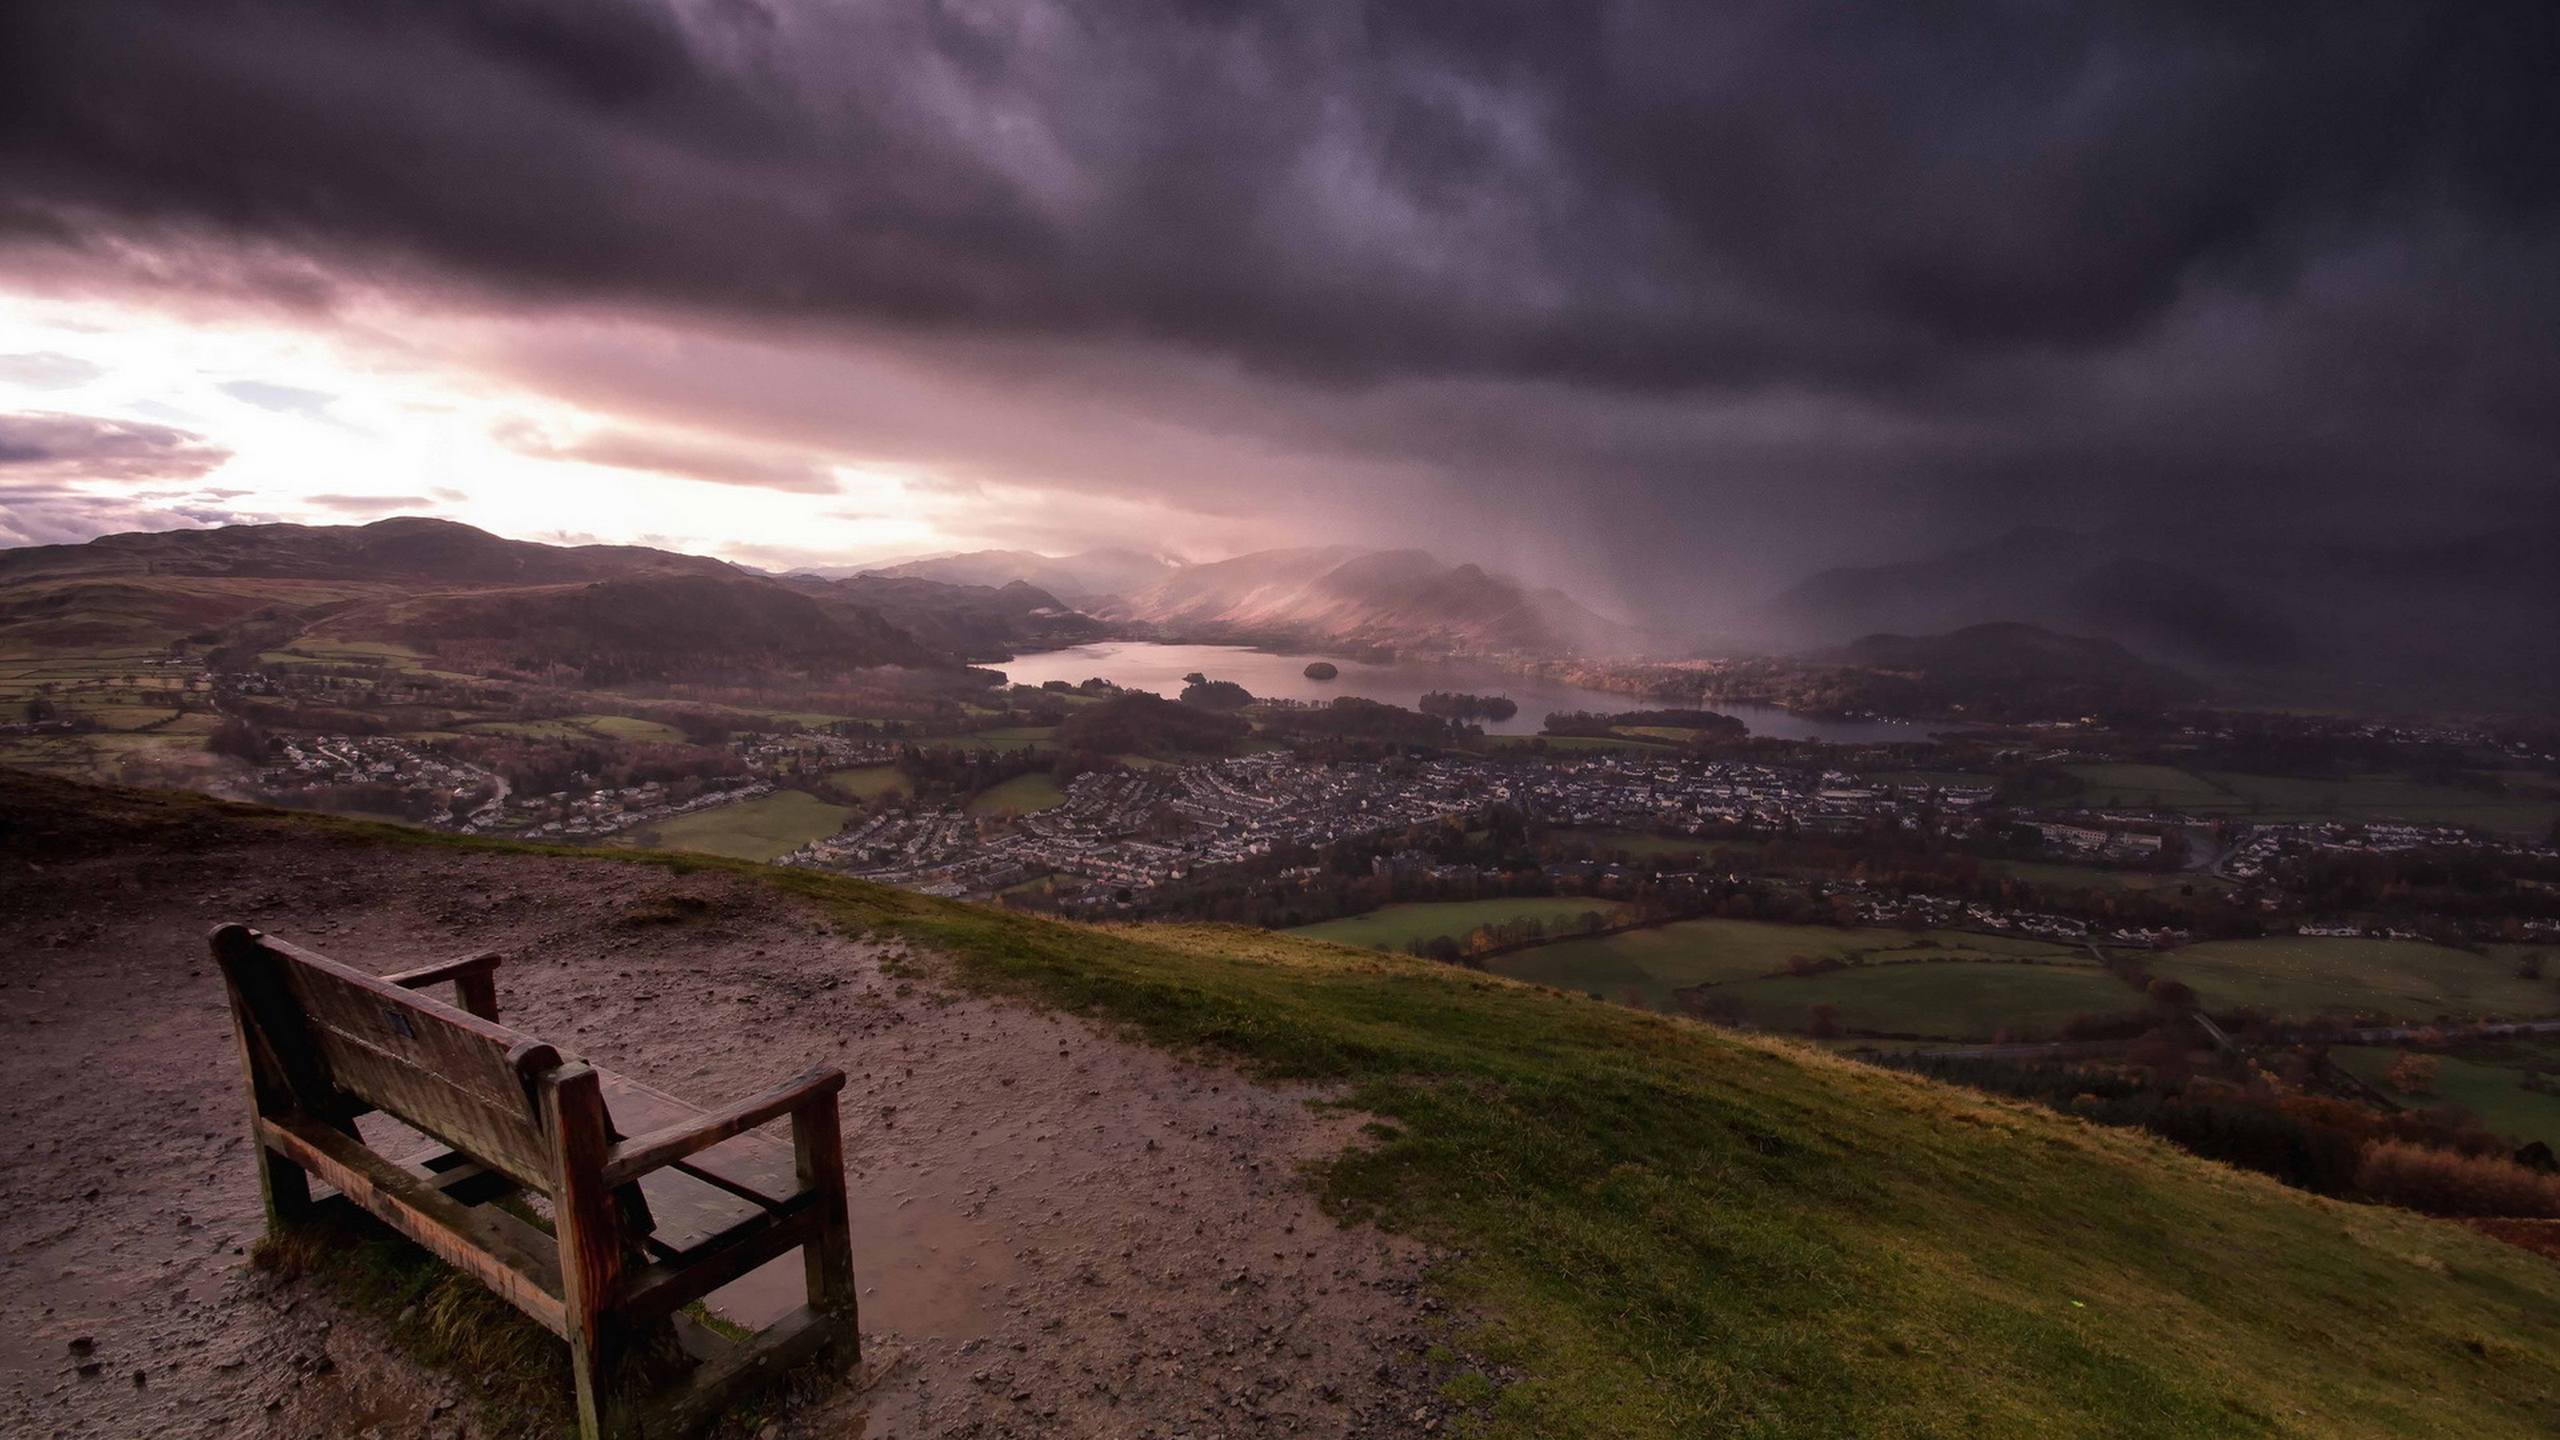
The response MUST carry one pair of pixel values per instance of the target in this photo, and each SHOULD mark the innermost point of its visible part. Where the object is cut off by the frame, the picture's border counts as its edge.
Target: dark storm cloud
(1888, 269)
(1652, 194)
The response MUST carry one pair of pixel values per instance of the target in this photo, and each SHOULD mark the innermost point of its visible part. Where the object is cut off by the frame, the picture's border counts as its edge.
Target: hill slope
(1075, 579)
(611, 610)
(1662, 1229)
(1380, 599)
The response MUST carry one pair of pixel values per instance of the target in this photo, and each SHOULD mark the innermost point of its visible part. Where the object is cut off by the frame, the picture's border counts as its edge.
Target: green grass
(2114, 786)
(2091, 877)
(2487, 1081)
(2307, 977)
(1929, 779)
(1021, 795)
(1644, 967)
(1638, 843)
(1654, 1229)
(1954, 1000)
(1391, 927)
(1575, 742)
(870, 782)
(630, 727)
(2281, 798)
(765, 828)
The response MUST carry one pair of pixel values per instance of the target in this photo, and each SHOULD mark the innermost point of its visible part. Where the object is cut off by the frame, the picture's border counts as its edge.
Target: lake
(1141, 665)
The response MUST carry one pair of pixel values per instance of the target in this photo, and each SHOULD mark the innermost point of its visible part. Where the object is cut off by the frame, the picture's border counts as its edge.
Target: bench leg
(284, 1187)
(817, 1143)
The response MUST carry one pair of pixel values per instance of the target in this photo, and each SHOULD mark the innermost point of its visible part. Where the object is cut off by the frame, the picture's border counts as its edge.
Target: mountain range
(2474, 621)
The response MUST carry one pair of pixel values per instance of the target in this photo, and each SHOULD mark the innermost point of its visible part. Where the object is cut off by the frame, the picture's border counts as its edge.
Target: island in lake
(1322, 670)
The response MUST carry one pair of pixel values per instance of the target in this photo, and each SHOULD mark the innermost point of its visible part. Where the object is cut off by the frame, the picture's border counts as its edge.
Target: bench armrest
(474, 982)
(637, 1156)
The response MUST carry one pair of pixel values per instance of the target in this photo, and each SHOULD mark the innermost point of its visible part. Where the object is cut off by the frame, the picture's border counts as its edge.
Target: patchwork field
(1637, 842)
(1952, 1000)
(2091, 877)
(1021, 795)
(765, 828)
(2488, 1082)
(2284, 798)
(2309, 977)
(1392, 927)
(870, 782)
(1646, 966)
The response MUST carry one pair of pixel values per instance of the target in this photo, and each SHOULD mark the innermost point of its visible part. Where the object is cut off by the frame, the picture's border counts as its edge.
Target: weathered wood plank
(643, 1153)
(817, 1143)
(660, 1288)
(471, 1240)
(591, 1246)
(475, 983)
(751, 1164)
(779, 1348)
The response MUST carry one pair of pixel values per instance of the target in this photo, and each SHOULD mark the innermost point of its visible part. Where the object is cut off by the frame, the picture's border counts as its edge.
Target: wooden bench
(645, 1220)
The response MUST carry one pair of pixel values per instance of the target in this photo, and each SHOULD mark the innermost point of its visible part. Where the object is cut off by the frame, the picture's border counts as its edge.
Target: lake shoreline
(1272, 673)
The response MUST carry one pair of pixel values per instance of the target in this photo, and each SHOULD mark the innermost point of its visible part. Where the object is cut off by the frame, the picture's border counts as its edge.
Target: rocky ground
(1057, 1233)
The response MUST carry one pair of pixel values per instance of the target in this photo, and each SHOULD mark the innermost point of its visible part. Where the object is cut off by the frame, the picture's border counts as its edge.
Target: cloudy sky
(1655, 299)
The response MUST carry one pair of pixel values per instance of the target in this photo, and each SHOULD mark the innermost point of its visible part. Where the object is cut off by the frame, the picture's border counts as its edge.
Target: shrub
(2412, 1073)
(2440, 1182)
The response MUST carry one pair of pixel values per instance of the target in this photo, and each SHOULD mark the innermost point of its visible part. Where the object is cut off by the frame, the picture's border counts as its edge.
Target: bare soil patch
(1064, 1234)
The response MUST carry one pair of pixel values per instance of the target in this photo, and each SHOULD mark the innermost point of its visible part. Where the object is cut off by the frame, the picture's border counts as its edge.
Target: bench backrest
(338, 1035)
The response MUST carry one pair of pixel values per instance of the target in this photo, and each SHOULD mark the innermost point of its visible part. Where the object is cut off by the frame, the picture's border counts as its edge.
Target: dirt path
(1065, 1234)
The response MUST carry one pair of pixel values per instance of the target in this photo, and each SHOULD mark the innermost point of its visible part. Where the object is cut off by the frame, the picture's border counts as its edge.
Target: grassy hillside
(1662, 1229)
(1390, 927)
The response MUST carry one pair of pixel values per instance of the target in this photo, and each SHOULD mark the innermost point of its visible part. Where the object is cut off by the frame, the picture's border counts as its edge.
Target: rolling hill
(612, 610)
(2467, 621)
(1388, 600)
(1075, 579)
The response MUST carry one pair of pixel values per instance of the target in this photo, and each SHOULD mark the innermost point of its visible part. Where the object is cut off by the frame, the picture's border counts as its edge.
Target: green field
(2282, 798)
(1929, 779)
(1576, 742)
(1637, 842)
(630, 727)
(1949, 1000)
(870, 782)
(1651, 1229)
(2308, 977)
(2092, 877)
(1392, 927)
(1021, 795)
(765, 828)
(2150, 786)
(2488, 1082)
(1644, 967)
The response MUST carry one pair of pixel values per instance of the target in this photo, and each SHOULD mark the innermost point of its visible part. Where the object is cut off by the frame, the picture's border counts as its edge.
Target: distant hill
(2016, 654)
(1998, 671)
(2048, 577)
(1075, 579)
(619, 611)
(2472, 621)
(1396, 600)
(973, 622)
(405, 548)
(646, 626)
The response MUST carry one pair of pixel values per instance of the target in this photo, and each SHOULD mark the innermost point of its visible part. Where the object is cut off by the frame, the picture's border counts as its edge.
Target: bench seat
(653, 1202)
